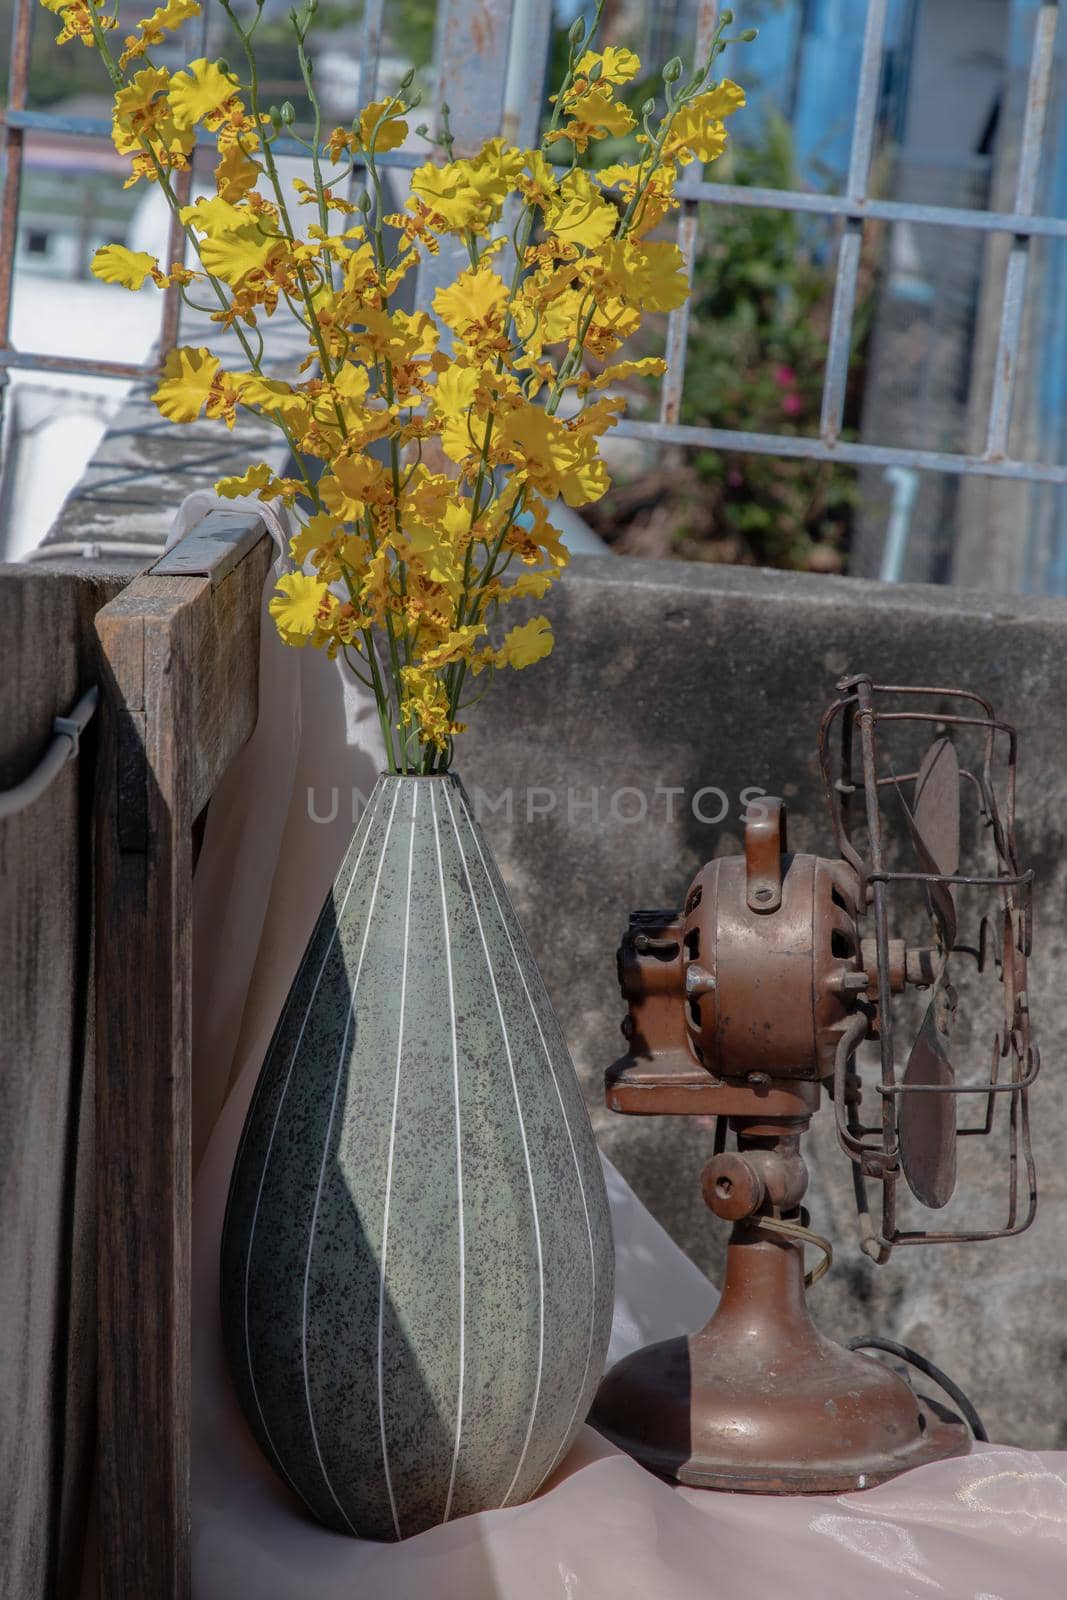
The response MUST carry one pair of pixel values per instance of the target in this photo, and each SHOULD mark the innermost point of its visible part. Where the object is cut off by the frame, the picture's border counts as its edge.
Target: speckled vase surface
(417, 1265)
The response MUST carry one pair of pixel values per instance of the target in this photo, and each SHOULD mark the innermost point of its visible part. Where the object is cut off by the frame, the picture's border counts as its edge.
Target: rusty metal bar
(86, 365)
(839, 349)
(370, 55)
(524, 88)
(1006, 365)
(171, 313)
(18, 75)
(670, 400)
(96, 128)
(472, 50)
(844, 452)
(170, 321)
(839, 205)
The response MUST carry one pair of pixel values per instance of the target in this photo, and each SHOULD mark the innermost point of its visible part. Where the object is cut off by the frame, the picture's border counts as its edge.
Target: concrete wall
(683, 676)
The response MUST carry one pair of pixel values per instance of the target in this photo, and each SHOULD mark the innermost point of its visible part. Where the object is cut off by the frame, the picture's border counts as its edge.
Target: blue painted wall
(1046, 535)
(807, 69)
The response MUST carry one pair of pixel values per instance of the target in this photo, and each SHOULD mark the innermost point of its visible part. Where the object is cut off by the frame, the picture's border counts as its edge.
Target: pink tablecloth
(991, 1526)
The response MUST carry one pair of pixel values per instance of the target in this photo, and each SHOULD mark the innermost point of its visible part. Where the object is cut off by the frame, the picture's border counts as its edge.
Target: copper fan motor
(750, 1005)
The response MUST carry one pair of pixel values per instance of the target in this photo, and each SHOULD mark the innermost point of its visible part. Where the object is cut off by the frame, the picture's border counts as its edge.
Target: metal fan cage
(857, 779)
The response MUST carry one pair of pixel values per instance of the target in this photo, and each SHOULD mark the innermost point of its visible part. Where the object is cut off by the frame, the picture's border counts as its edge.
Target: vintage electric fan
(751, 1005)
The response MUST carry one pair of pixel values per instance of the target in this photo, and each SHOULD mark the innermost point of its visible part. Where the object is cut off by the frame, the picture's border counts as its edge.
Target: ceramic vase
(417, 1266)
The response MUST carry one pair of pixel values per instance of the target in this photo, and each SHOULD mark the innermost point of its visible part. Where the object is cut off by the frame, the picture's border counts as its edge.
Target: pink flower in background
(792, 403)
(734, 478)
(785, 377)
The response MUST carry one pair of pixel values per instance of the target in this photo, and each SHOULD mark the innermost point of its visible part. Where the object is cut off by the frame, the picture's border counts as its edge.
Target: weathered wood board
(47, 1222)
(179, 669)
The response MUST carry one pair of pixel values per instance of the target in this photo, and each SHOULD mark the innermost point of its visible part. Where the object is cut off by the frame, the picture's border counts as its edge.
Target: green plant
(759, 319)
(761, 307)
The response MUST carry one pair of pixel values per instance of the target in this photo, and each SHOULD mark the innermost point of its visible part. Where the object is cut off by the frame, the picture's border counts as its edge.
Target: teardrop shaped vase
(417, 1266)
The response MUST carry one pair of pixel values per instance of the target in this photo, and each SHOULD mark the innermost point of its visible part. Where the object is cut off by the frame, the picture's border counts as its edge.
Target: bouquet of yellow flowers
(483, 412)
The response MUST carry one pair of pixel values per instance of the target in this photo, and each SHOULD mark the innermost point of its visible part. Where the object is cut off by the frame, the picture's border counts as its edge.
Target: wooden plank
(223, 692)
(179, 662)
(47, 1214)
(225, 670)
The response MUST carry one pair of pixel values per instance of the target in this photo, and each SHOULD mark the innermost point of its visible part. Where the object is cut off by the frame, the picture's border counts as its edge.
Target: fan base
(759, 1402)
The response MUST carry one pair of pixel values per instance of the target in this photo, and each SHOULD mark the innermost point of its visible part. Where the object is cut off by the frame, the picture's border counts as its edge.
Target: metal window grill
(18, 120)
(492, 81)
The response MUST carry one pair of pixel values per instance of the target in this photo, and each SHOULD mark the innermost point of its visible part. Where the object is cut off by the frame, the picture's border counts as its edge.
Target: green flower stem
(454, 680)
(316, 165)
(118, 82)
(314, 328)
(523, 233)
(380, 697)
(283, 209)
(388, 376)
(401, 566)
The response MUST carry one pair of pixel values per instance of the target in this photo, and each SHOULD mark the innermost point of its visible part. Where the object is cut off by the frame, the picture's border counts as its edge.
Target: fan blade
(936, 806)
(936, 812)
(939, 897)
(927, 1122)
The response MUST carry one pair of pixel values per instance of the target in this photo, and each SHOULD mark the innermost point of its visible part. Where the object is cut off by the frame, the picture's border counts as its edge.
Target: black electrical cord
(921, 1364)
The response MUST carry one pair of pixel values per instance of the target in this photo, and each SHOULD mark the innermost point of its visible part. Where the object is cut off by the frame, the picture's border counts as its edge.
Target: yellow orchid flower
(448, 193)
(617, 64)
(233, 256)
(392, 130)
(154, 29)
(463, 403)
(77, 19)
(352, 482)
(697, 131)
(595, 114)
(316, 531)
(453, 397)
(557, 460)
(528, 642)
(580, 215)
(478, 296)
(140, 105)
(297, 608)
(199, 91)
(113, 263)
(187, 379)
(538, 183)
(257, 477)
(649, 275)
(235, 174)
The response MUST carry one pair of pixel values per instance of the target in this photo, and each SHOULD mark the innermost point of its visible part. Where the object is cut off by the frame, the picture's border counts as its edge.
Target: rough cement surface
(671, 675)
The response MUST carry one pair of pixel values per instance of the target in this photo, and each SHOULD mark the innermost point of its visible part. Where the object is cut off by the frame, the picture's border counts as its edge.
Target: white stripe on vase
(325, 1156)
(567, 1125)
(526, 1157)
(389, 1164)
(370, 817)
(459, 1165)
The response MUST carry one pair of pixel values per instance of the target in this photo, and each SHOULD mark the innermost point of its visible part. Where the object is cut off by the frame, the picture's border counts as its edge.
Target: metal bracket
(765, 844)
(72, 729)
